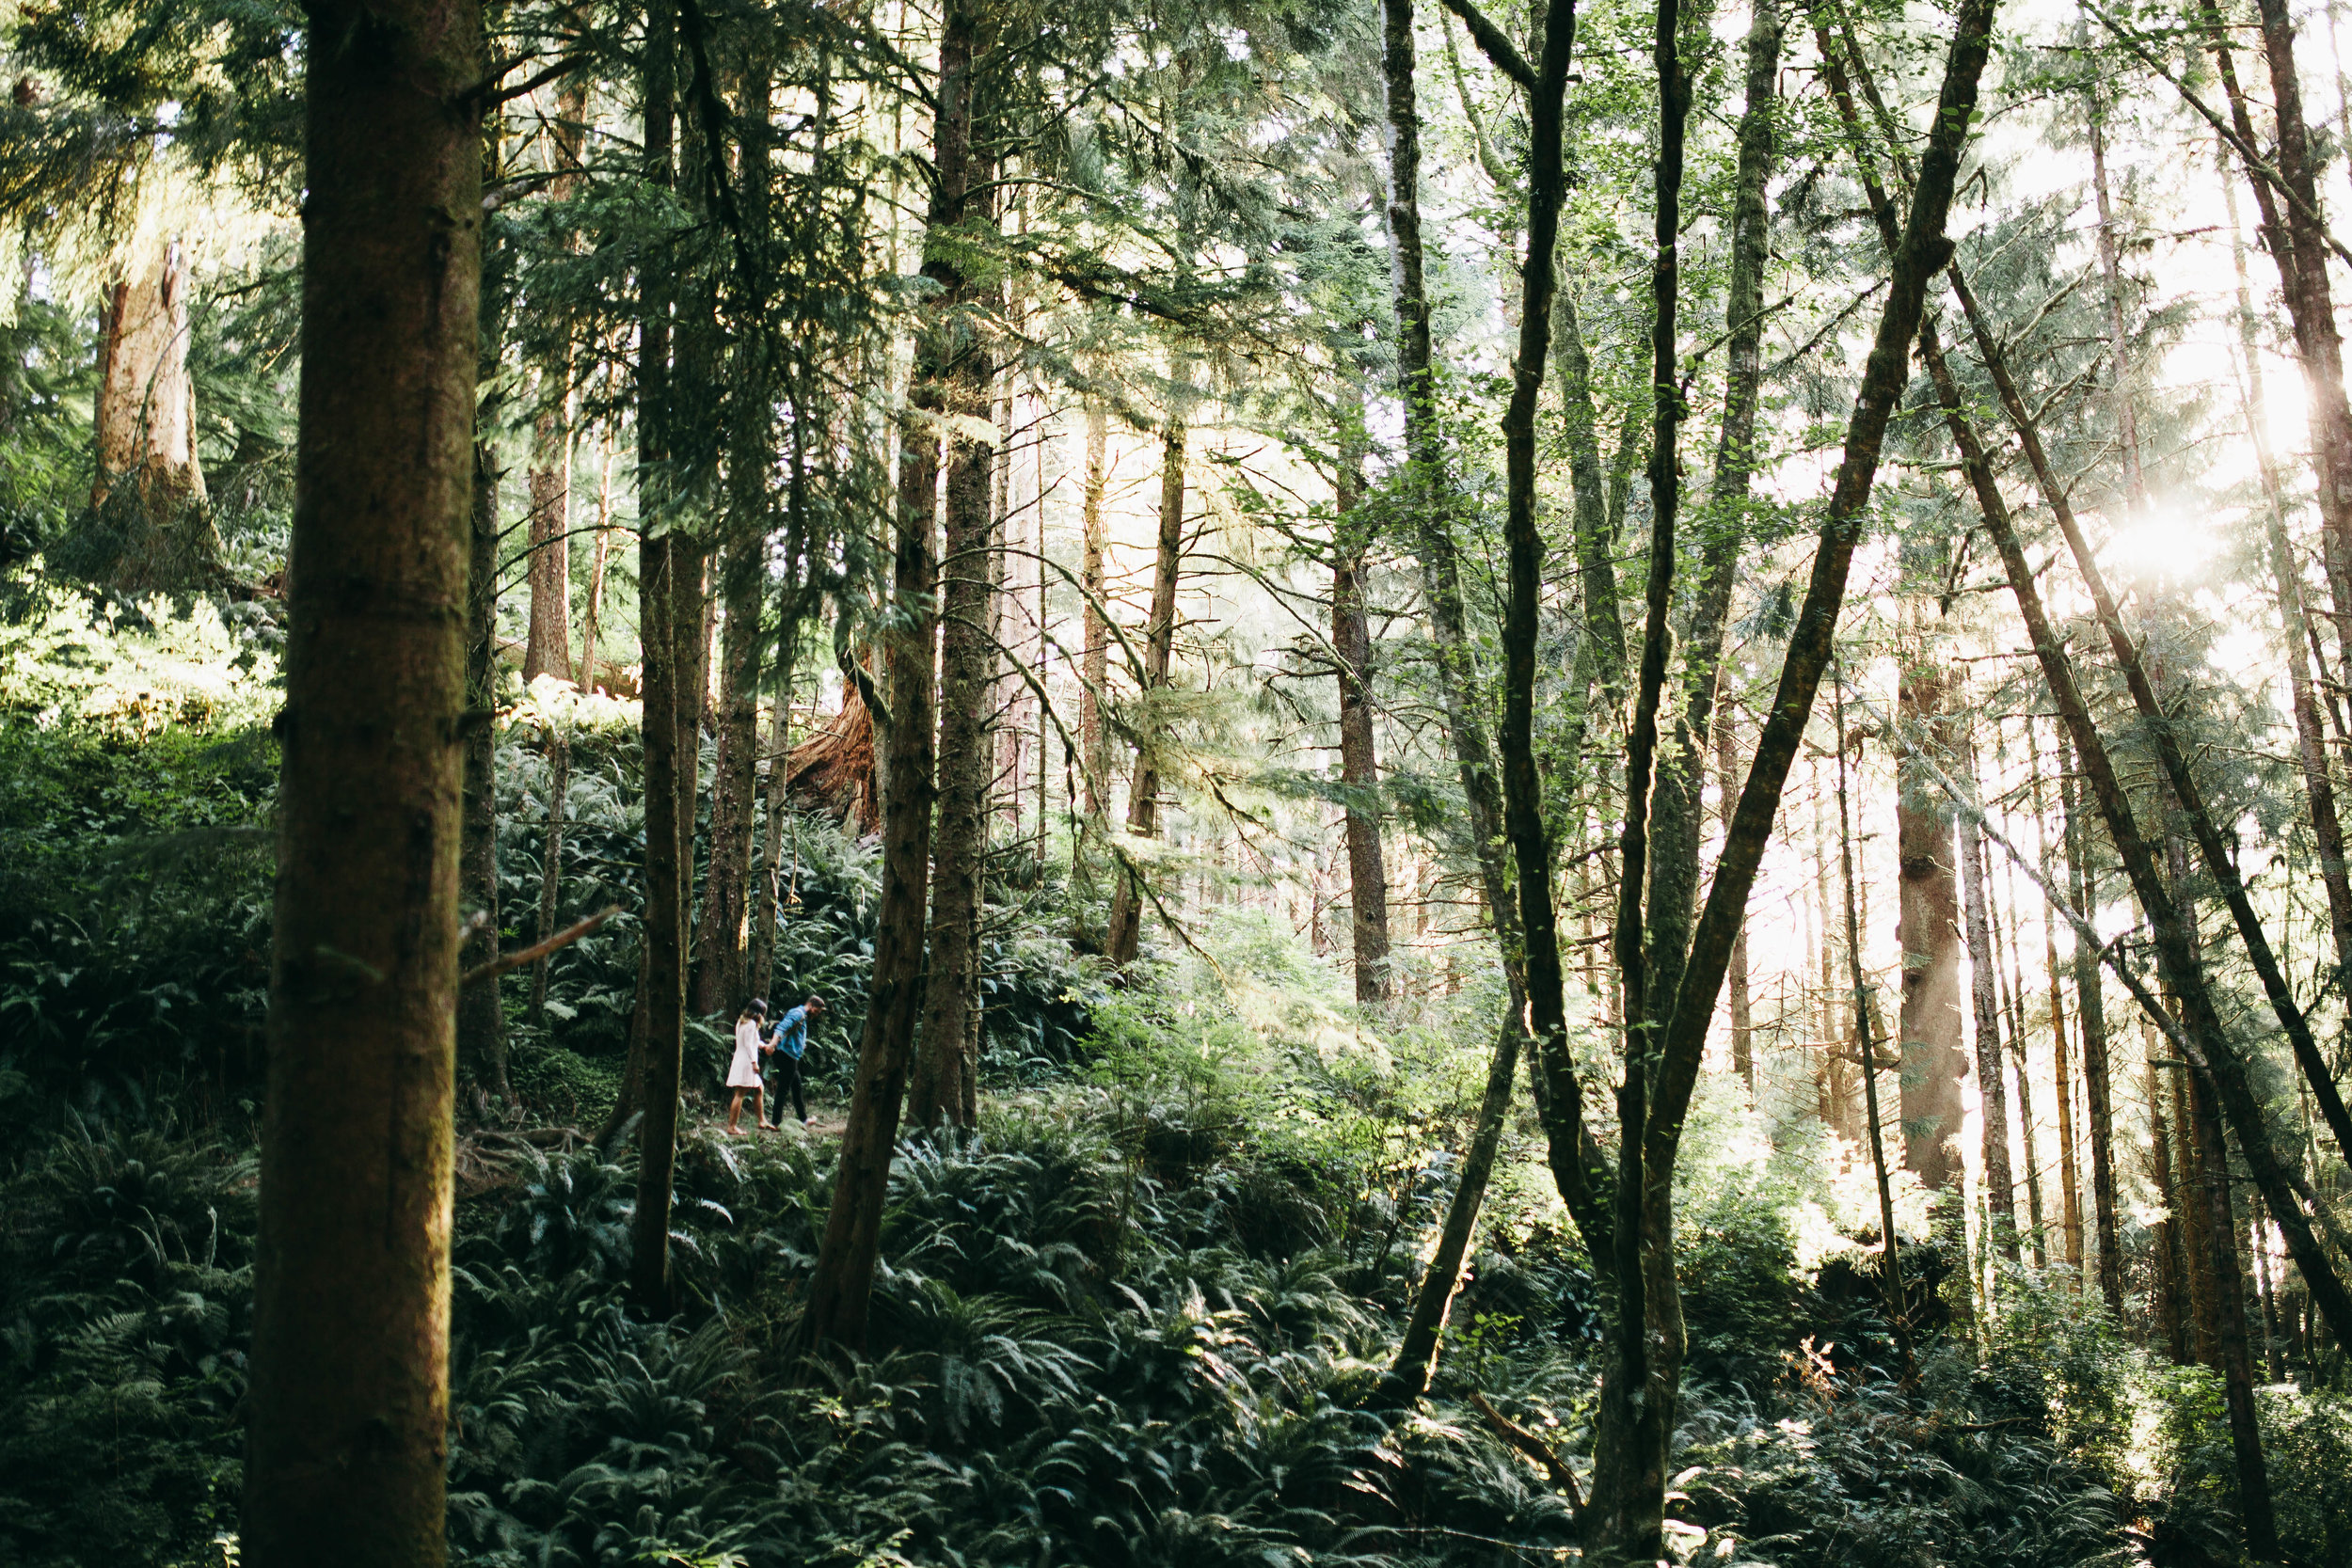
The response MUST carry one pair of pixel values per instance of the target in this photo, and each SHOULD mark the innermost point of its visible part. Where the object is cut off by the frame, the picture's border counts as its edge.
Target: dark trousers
(783, 1077)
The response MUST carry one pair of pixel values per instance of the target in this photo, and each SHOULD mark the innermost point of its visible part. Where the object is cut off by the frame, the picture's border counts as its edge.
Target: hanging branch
(508, 962)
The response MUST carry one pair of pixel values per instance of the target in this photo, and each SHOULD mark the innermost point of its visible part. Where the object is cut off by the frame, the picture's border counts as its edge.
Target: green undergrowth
(1137, 1320)
(1139, 1317)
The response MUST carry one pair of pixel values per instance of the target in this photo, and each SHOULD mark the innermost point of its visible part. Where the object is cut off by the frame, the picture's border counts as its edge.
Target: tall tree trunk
(481, 1016)
(1929, 933)
(2175, 950)
(558, 754)
(2205, 1303)
(2298, 244)
(547, 648)
(1675, 815)
(1359, 770)
(2070, 1186)
(1867, 1036)
(2172, 1314)
(1743, 1020)
(2118, 340)
(346, 1441)
(2091, 1011)
(2029, 1140)
(1416, 1352)
(1680, 1048)
(841, 1289)
(2255, 1514)
(149, 482)
(2319, 785)
(967, 686)
(1143, 798)
(721, 941)
(661, 556)
(2000, 1184)
(1094, 667)
(1428, 486)
(589, 615)
(720, 982)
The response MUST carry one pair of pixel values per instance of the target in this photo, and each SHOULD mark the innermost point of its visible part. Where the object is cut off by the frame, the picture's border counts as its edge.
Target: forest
(1191, 782)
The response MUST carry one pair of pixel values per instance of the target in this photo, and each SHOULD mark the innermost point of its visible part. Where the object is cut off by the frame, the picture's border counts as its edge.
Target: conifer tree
(346, 1450)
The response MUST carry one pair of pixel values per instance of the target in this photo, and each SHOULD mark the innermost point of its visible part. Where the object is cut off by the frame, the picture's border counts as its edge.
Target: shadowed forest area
(1181, 783)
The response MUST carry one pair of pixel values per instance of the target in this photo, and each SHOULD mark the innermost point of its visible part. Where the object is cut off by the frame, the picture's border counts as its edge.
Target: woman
(743, 1072)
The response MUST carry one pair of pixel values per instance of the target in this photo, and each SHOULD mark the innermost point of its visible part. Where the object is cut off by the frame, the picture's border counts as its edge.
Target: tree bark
(1427, 485)
(2070, 1186)
(2298, 244)
(586, 680)
(1143, 798)
(1867, 1037)
(2000, 1183)
(481, 1016)
(1743, 1020)
(2028, 1144)
(149, 482)
(2091, 1011)
(1416, 1352)
(967, 684)
(547, 648)
(720, 944)
(2172, 1314)
(2118, 340)
(550, 866)
(1929, 932)
(1675, 814)
(841, 1288)
(1360, 769)
(2255, 1514)
(348, 1406)
(669, 754)
(1094, 667)
(2287, 579)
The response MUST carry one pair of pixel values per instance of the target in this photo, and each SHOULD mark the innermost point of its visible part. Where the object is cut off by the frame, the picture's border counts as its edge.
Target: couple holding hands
(784, 1042)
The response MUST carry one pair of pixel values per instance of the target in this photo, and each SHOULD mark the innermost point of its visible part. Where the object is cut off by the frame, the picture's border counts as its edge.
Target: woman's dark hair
(755, 1008)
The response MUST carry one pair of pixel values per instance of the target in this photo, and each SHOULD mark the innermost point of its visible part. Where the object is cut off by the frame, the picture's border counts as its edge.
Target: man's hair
(816, 1001)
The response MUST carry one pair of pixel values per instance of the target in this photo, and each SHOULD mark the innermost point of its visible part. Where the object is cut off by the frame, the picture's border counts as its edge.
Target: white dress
(743, 1072)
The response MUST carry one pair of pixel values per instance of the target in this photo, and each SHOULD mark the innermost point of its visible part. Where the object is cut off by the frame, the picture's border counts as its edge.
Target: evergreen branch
(2255, 164)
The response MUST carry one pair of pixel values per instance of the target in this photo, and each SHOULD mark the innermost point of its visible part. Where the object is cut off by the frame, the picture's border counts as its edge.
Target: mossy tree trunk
(668, 754)
(720, 945)
(547, 647)
(149, 492)
(2000, 1195)
(348, 1408)
(841, 1288)
(1095, 659)
(967, 683)
(1143, 792)
(1430, 492)
(1359, 766)
(481, 1020)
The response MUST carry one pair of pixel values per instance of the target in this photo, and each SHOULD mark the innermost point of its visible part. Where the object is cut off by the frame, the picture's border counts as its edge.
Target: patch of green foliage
(1139, 1318)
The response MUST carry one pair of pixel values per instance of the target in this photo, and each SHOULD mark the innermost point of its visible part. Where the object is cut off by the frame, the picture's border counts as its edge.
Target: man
(784, 1059)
